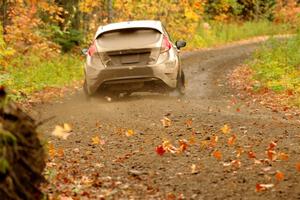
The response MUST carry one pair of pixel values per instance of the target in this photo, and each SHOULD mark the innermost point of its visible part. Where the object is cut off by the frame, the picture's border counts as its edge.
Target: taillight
(166, 45)
(92, 49)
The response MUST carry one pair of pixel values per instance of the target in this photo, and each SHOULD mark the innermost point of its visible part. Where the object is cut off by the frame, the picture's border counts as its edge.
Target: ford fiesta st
(133, 56)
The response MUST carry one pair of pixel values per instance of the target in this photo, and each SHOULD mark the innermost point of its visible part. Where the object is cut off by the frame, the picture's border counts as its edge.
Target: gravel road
(119, 166)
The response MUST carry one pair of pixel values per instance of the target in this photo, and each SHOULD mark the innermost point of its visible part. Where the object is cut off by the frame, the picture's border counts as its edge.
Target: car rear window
(129, 38)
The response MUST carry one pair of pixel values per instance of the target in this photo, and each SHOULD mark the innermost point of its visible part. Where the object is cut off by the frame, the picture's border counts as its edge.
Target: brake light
(166, 45)
(92, 49)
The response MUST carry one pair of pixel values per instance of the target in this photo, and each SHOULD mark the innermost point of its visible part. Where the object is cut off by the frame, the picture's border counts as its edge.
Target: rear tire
(181, 83)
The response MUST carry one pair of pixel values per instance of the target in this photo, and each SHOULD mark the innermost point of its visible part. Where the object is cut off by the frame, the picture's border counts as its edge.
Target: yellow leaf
(129, 133)
(67, 127)
(60, 132)
(166, 122)
(225, 129)
(96, 140)
(194, 169)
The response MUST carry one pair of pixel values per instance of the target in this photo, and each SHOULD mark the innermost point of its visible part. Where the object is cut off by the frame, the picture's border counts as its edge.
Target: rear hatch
(127, 47)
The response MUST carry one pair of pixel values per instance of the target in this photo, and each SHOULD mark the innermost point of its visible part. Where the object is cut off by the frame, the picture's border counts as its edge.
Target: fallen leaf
(257, 162)
(192, 140)
(60, 132)
(251, 154)
(227, 164)
(298, 166)
(279, 176)
(266, 169)
(51, 150)
(231, 140)
(213, 141)
(166, 122)
(239, 152)
(271, 155)
(236, 163)
(194, 169)
(225, 129)
(189, 123)
(262, 187)
(96, 140)
(182, 145)
(272, 145)
(65, 198)
(98, 124)
(204, 144)
(160, 150)
(67, 127)
(171, 196)
(169, 147)
(60, 152)
(129, 133)
(217, 154)
(283, 156)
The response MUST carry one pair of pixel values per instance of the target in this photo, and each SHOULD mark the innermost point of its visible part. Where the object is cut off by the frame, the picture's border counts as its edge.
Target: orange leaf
(279, 176)
(213, 141)
(271, 155)
(251, 154)
(231, 140)
(259, 188)
(239, 152)
(160, 150)
(189, 123)
(283, 156)
(217, 154)
(51, 150)
(272, 145)
(183, 145)
(192, 139)
(262, 187)
(171, 196)
(298, 166)
(129, 133)
(60, 152)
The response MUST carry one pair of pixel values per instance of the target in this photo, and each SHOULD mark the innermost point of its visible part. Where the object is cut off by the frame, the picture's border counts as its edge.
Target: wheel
(181, 83)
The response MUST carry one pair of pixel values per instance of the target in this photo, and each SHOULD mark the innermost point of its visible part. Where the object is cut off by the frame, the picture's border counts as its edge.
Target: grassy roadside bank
(209, 35)
(28, 74)
(276, 66)
(272, 77)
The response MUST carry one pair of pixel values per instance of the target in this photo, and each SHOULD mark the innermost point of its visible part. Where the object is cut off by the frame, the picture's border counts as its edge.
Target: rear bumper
(165, 72)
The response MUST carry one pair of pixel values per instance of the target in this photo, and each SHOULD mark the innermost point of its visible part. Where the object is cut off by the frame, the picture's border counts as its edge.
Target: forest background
(40, 40)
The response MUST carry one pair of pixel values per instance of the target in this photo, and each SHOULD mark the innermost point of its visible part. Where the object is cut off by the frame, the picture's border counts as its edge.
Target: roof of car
(157, 25)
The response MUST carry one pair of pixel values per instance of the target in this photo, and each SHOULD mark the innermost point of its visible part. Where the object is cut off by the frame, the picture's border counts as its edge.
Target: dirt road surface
(119, 166)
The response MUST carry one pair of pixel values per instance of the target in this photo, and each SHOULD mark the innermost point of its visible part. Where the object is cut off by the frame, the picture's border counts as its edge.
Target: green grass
(28, 74)
(277, 65)
(220, 33)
